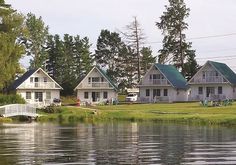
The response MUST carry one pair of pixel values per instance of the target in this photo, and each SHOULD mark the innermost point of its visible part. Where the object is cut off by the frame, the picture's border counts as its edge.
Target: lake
(116, 143)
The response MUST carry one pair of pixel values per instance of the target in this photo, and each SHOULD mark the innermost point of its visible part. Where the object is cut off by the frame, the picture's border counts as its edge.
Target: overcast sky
(211, 22)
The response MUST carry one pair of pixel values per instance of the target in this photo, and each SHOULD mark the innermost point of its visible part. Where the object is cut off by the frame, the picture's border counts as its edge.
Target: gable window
(220, 90)
(102, 79)
(45, 79)
(95, 79)
(147, 92)
(105, 95)
(217, 74)
(48, 95)
(203, 75)
(86, 95)
(89, 80)
(200, 90)
(31, 79)
(165, 92)
(28, 95)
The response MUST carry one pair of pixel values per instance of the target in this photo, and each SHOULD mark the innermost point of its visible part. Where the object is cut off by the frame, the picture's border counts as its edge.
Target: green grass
(177, 112)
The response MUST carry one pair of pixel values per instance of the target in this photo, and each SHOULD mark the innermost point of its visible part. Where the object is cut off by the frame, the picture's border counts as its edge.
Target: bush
(51, 109)
(11, 99)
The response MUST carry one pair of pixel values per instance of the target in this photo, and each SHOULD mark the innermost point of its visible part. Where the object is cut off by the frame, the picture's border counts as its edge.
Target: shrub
(51, 109)
(11, 99)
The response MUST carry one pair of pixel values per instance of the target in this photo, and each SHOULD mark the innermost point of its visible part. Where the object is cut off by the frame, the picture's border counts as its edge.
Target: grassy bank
(178, 112)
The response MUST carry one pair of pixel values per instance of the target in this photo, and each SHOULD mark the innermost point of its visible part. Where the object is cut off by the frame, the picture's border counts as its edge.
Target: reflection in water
(116, 143)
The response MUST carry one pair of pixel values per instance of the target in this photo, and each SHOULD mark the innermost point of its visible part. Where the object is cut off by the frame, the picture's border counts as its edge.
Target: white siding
(227, 92)
(111, 95)
(54, 94)
(173, 94)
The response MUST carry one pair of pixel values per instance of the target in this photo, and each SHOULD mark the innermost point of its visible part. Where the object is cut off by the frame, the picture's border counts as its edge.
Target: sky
(211, 22)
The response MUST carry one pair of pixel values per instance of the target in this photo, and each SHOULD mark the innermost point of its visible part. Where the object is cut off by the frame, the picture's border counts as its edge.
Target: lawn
(176, 112)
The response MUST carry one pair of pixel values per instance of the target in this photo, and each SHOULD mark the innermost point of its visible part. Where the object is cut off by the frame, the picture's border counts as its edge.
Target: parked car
(131, 97)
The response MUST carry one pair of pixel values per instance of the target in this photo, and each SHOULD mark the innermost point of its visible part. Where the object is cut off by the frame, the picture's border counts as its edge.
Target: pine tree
(36, 40)
(176, 49)
(147, 59)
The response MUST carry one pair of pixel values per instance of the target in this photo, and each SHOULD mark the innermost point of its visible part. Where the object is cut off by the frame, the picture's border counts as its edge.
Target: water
(116, 143)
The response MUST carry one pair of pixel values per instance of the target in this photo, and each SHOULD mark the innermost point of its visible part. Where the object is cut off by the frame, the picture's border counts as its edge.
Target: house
(163, 83)
(214, 81)
(96, 87)
(37, 87)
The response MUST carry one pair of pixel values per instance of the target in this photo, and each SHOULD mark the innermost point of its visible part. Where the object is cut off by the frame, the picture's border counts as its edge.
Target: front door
(38, 96)
(93, 97)
(210, 91)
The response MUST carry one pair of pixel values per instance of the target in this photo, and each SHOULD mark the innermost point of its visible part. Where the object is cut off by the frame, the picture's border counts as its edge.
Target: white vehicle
(132, 97)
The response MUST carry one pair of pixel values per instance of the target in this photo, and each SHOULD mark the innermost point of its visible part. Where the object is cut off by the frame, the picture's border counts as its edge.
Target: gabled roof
(226, 72)
(26, 75)
(21, 79)
(103, 73)
(172, 75)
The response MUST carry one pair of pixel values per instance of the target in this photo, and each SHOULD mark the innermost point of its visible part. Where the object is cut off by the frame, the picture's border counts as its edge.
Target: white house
(96, 87)
(37, 87)
(214, 81)
(163, 83)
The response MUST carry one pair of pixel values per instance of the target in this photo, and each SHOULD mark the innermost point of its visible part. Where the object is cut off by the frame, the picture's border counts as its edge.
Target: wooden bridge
(18, 110)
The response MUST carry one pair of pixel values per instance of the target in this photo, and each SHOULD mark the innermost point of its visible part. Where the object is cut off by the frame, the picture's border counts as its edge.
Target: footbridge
(18, 110)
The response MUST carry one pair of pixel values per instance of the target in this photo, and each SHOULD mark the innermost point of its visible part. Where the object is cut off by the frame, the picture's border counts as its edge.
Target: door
(210, 91)
(93, 96)
(38, 96)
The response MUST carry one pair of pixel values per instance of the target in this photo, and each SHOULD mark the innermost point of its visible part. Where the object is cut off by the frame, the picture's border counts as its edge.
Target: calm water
(116, 143)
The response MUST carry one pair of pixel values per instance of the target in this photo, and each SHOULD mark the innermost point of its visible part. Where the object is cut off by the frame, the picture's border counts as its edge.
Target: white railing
(40, 85)
(210, 79)
(155, 82)
(18, 110)
(96, 85)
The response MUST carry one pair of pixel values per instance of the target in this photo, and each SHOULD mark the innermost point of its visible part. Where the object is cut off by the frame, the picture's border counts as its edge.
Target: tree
(147, 59)
(135, 38)
(36, 40)
(11, 48)
(176, 49)
(107, 54)
(68, 59)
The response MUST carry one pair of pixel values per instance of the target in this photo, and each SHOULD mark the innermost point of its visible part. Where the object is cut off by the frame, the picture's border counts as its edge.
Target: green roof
(108, 78)
(173, 76)
(225, 71)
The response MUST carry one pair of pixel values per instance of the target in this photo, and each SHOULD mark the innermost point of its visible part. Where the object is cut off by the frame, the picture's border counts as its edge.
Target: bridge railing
(17, 110)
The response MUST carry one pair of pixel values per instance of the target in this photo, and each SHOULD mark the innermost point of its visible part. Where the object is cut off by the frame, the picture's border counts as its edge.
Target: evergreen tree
(108, 54)
(11, 48)
(36, 40)
(147, 59)
(176, 49)
(68, 59)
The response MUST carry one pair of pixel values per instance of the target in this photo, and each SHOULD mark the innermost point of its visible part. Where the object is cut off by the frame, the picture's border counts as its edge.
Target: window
(165, 92)
(102, 79)
(156, 92)
(48, 95)
(147, 92)
(45, 79)
(28, 95)
(105, 95)
(200, 90)
(86, 95)
(150, 76)
(203, 75)
(89, 80)
(31, 79)
(220, 90)
(95, 79)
